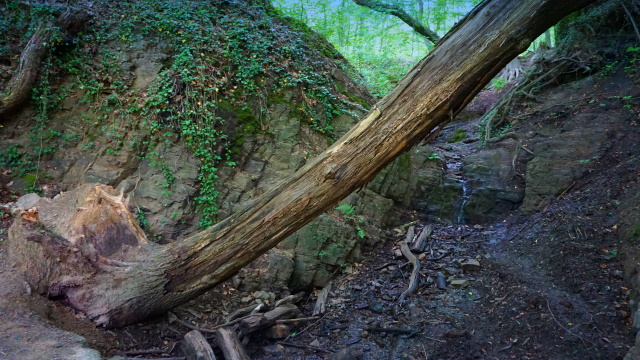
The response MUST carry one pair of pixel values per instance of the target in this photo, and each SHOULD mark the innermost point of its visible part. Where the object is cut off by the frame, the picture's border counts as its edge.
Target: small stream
(461, 218)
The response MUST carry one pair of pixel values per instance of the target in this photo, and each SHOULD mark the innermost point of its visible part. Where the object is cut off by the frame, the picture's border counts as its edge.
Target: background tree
(381, 47)
(400, 13)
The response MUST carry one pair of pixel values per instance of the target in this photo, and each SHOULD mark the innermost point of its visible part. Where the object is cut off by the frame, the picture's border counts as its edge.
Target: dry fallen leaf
(30, 215)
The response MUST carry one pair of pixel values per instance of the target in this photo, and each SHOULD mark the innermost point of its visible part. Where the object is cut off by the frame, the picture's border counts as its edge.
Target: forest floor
(548, 286)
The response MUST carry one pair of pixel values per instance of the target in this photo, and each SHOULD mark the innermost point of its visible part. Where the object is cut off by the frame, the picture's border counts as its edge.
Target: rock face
(416, 180)
(560, 161)
(494, 189)
(107, 136)
(563, 153)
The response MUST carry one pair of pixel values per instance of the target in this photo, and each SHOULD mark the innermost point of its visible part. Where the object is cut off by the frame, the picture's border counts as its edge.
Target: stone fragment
(470, 265)
(262, 295)
(376, 307)
(441, 281)
(27, 201)
(273, 349)
(451, 271)
(459, 283)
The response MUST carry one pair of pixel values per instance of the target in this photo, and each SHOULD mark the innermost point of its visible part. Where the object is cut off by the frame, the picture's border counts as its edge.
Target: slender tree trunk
(397, 11)
(87, 248)
(547, 38)
(18, 89)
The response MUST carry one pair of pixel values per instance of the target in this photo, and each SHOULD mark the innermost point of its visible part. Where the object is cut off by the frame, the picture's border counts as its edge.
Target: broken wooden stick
(173, 318)
(242, 312)
(288, 321)
(291, 299)
(262, 321)
(420, 243)
(230, 345)
(320, 307)
(310, 347)
(195, 346)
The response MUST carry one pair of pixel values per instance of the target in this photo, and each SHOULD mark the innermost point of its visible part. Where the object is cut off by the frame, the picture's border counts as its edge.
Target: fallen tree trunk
(87, 249)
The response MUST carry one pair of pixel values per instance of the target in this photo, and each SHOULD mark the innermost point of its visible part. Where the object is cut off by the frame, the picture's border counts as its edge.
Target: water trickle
(466, 192)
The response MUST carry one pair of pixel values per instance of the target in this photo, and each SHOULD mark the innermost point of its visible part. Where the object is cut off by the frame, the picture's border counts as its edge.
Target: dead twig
(308, 327)
(567, 189)
(286, 321)
(174, 318)
(383, 266)
(309, 347)
(565, 329)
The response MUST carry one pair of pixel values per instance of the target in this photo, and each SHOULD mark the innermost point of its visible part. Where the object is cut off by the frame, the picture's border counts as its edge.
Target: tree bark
(397, 11)
(87, 249)
(18, 88)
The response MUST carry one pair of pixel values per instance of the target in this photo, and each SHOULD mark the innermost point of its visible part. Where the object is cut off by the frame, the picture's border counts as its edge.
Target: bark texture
(107, 269)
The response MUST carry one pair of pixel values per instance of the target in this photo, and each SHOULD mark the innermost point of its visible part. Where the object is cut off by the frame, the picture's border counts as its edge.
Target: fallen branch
(262, 321)
(195, 346)
(565, 329)
(307, 328)
(420, 243)
(288, 321)
(174, 318)
(309, 347)
(320, 306)
(386, 265)
(230, 345)
(413, 282)
(242, 312)
(291, 299)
